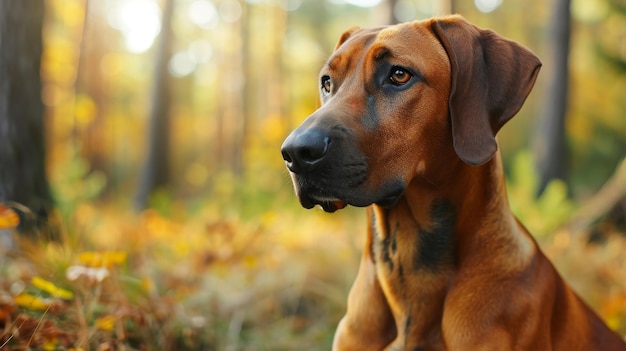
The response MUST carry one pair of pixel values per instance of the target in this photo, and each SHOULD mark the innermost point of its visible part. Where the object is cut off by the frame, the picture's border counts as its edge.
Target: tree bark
(156, 170)
(22, 146)
(550, 147)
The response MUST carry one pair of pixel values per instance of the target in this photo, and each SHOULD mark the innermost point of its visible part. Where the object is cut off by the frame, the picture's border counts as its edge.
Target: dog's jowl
(407, 128)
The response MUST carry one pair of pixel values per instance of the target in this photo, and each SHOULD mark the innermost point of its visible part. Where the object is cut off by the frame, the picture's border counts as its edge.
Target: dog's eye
(399, 76)
(326, 84)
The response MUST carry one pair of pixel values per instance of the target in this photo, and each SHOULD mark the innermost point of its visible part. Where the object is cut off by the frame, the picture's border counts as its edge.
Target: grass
(149, 282)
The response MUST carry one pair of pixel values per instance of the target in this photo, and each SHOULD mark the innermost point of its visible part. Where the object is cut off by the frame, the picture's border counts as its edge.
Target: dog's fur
(407, 127)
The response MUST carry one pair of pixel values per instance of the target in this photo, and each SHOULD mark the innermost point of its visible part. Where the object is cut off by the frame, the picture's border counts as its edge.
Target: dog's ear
(344, 37)
(491, 78)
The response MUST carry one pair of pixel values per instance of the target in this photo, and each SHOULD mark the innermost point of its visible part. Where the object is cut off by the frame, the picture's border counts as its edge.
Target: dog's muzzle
(328, 169)
(305, 153)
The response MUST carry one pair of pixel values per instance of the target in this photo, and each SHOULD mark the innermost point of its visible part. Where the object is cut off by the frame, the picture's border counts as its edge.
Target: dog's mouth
(311, 196)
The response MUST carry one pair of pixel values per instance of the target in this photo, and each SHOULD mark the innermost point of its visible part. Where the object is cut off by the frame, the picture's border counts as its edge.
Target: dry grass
(215, 281)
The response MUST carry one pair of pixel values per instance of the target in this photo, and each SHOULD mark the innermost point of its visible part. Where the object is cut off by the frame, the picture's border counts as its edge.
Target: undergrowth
(206, 276)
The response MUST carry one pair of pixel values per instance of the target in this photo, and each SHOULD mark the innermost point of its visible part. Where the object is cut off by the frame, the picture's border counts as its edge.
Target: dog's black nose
(301, 151)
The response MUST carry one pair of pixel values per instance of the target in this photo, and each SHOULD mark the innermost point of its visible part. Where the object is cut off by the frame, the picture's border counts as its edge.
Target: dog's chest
(414, 263)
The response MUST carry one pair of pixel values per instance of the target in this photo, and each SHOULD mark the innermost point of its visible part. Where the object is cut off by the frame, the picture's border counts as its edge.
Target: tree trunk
(391, 8)
(444, 7)
(22, 151)
(549, 143)
(156, 170)
(91, 136)
(229, 125)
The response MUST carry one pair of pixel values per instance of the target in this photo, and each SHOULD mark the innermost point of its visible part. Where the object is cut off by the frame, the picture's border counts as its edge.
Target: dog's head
(404, 100)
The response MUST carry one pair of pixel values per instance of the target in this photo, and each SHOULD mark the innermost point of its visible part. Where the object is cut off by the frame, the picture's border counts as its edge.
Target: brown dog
(408, 126)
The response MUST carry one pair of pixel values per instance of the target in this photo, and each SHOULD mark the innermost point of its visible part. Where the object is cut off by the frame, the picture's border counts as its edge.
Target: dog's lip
(311, 195)
(332, 206)
(327, 204)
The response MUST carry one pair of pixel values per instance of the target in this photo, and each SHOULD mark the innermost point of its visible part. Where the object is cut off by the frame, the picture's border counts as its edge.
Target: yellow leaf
(50, 344)
(90, 259)
(105, 323)
(51, 289)
(115, 257)
(102, 259)
(8, 218)
(31, 302)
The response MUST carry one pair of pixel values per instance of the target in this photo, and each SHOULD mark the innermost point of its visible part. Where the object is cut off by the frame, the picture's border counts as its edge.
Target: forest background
(161, 216)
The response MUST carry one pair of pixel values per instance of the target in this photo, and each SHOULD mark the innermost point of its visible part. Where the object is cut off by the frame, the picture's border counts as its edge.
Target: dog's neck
(465, 211)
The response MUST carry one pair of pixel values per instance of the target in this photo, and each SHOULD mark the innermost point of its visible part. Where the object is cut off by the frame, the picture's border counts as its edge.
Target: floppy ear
(344, 37)
(491, 78)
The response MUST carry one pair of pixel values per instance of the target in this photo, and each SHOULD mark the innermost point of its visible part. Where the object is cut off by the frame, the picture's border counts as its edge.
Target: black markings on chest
(390, 246)
(407, 325)
(435, 246)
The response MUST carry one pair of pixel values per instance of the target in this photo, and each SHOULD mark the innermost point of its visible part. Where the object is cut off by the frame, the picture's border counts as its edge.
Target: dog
(407, 128)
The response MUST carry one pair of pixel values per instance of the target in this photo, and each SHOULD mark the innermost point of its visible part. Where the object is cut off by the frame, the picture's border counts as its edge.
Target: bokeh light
(487, 6)
(138, 20)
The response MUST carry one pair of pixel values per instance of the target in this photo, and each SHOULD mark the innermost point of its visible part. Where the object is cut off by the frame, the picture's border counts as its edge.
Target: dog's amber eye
(326, 85)
(399, 76)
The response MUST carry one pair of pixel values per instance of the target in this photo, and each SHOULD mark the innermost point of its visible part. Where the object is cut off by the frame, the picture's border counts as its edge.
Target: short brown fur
(446, 265)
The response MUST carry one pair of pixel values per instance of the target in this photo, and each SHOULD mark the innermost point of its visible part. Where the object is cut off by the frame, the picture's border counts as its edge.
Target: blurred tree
(22, 152)
(445, 7)
(549, 141)
(263, 29)
(233, 120)
(90, 89)
(392, 6)
(155, 173)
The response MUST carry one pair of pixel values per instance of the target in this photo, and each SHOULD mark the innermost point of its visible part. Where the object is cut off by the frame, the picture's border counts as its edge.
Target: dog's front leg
(368, 323)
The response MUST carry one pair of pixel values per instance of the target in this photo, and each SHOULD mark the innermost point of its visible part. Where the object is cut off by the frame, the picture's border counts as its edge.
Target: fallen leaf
(31, 302)
(8, 218)
(102, 259)
(106, 323)
(51, 289)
